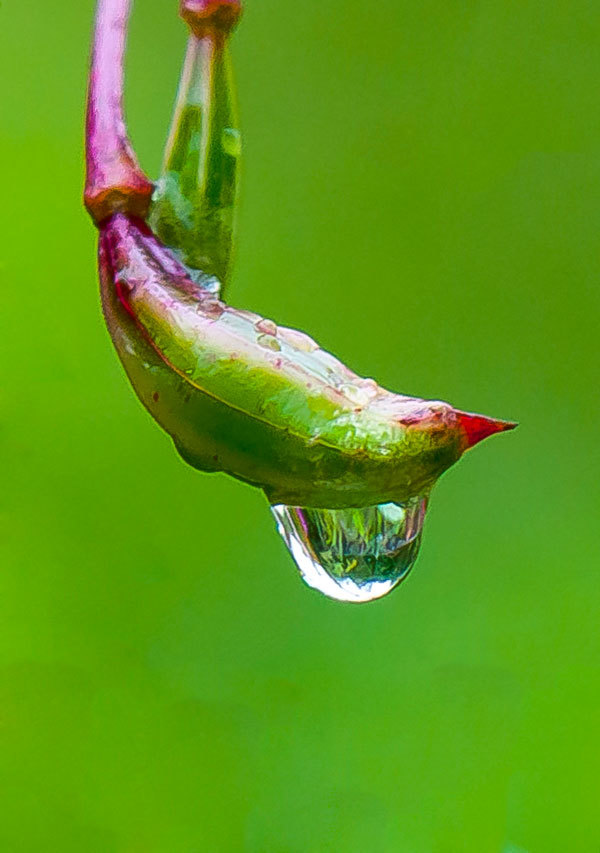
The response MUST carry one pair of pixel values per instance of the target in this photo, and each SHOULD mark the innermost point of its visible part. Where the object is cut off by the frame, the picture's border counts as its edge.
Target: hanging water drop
(353, 555)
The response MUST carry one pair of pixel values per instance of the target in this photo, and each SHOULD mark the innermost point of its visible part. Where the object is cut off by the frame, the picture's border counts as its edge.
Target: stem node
(204, 16)
(114, 182)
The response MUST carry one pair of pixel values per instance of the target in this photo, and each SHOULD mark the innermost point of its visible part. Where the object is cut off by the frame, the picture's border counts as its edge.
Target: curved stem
(115, 181)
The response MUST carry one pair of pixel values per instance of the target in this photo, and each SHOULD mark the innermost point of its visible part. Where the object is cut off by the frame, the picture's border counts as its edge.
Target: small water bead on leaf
(267, 327)
(208, 282)
(211, 308)
(353, 555)
(269, 342)
(299, 340)
(231, 141)
(359, 393)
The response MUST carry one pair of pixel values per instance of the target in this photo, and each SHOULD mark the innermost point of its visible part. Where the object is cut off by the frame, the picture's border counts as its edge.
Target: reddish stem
(115, 181)
(210, 16)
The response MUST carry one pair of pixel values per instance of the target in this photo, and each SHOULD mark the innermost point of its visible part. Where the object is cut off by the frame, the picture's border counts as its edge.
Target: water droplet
(269, 342)
(357, 394)
(231, 141)
(353, 554)
(298, 340)
(370, 389)
(211, 308)
(268, 327)
(206, 282)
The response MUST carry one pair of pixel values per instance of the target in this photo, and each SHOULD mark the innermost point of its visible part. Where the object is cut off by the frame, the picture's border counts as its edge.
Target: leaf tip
(478, 427)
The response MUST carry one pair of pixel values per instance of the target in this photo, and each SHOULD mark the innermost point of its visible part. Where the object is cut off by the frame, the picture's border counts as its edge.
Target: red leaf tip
(478, 427)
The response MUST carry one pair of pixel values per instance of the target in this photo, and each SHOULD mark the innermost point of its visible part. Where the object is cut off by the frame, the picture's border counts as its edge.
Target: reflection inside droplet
(353, 554)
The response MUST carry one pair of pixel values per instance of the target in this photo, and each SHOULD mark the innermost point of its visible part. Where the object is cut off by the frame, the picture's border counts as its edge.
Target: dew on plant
(353, 555)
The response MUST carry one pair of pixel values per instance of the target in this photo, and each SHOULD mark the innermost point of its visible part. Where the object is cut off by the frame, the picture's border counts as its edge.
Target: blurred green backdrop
(422, 194)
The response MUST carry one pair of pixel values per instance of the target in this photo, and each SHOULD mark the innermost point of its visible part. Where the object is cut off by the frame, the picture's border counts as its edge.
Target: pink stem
(115, 181)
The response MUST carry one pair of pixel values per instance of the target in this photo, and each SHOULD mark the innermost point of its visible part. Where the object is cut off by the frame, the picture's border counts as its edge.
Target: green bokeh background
(421, 193)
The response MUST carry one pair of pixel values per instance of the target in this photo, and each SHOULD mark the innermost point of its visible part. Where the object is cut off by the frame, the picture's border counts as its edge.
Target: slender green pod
(193, 207)
(265, 404)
